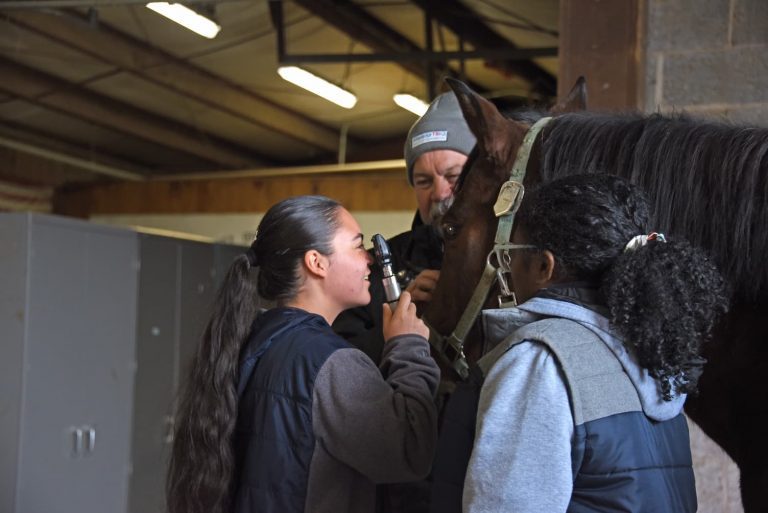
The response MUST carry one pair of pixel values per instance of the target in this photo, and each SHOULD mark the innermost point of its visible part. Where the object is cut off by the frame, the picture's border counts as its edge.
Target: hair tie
(641, 240)
(253, 260)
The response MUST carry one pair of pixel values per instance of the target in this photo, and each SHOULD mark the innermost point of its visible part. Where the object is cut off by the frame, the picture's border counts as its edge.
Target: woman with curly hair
(279, 413)
(579, 406)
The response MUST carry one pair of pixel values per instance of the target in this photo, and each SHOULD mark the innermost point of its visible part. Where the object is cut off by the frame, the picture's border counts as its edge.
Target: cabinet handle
(170, 425)
(77, 436)
(91, 438)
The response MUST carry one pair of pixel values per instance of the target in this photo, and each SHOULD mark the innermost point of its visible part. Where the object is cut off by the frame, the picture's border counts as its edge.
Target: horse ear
(575, 101)
(483, 118)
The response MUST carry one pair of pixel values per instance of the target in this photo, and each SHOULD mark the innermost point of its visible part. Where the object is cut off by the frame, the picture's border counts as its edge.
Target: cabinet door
(224, 255)
(197, 295)
(79, 364)
(13, 313)
(157, 340)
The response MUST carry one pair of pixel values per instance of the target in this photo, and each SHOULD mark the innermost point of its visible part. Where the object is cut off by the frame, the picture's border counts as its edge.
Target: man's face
(434, 177)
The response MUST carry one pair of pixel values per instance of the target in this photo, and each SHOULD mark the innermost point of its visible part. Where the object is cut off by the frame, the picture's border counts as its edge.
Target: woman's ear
(546, 268)
(316, 263)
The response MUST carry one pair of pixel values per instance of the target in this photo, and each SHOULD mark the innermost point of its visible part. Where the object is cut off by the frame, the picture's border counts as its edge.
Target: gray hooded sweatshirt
(522, 456)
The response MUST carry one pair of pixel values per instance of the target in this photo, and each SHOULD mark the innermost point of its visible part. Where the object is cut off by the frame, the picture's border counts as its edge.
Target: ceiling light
(187, 18)
(317, 85)
(411, 103)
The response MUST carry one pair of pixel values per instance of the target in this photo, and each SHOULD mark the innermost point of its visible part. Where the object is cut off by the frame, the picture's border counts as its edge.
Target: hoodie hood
(500, 323)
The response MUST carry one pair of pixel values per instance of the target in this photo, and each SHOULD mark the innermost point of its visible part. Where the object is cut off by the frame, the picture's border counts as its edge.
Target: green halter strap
(451, 348)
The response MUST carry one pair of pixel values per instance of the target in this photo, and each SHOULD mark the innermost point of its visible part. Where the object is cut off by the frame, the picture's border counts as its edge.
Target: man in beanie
(436, 149)
(437, 146)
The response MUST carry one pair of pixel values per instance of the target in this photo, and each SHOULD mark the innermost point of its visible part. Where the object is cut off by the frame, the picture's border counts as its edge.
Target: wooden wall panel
(362, 192)
(602, 40)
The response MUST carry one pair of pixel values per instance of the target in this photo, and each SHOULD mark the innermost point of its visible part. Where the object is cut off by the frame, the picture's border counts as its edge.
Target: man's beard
(437, 210)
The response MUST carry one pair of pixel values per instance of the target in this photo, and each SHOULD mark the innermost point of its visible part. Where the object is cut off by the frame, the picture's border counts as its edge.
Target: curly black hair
(663, 298)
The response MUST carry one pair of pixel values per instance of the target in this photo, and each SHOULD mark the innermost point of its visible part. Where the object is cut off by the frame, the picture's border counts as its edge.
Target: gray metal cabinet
(157, 330)
(223, 256)
(68, 323)
(177, 285)
(196, 297)
(98, 326)
(203, 267)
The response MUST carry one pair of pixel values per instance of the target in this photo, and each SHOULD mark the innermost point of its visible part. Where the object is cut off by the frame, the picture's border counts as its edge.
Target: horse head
(468, 227)
(707, 182)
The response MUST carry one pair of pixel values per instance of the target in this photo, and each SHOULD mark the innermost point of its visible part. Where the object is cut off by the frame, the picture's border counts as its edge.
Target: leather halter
(451, 348)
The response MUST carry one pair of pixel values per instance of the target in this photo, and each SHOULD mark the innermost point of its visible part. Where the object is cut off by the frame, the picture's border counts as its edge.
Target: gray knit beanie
(442, 127)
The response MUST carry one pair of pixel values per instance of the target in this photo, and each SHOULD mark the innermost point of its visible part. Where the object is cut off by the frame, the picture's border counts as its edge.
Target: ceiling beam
(114, 47)
(464, 22)
(361, 26)
(62, 96)
(38, 4)
(31, 170)
(70, 146)
(35, 170)
(422, 55)
(55, 156)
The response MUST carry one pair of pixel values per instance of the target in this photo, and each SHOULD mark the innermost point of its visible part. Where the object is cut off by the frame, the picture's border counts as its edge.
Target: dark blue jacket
(273, 439)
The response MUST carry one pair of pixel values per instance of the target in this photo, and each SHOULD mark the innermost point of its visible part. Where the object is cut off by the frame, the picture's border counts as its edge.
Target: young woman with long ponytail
(279, 414)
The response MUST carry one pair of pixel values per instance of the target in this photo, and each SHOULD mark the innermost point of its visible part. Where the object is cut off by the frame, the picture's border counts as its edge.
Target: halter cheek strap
(451, 348)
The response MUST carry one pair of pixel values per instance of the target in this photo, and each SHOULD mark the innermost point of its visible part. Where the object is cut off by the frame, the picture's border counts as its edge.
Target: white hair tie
(641, 240)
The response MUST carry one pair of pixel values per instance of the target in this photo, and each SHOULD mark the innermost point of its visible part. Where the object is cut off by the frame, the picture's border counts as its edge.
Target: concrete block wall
(717, 476)
(710, 59)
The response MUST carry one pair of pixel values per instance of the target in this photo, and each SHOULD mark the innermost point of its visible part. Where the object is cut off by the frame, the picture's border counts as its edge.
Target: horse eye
(449, 231)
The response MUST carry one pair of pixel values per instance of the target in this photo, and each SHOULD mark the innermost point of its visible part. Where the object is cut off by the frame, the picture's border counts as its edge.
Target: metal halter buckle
(509, 198)
(503, 262)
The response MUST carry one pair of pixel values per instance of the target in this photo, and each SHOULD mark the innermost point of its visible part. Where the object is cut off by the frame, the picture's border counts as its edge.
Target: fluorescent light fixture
(317, 85)
(411, 103)
(187, 18)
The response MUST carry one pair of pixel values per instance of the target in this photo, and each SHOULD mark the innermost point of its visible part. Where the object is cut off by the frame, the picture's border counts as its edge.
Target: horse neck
(706, 181)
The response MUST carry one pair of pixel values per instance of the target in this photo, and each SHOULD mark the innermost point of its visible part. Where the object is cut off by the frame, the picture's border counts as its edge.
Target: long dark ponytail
(200, 473)
(664, 298)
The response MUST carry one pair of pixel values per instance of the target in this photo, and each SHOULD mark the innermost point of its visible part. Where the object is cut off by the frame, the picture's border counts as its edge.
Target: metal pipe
(37, 4)
(87, 165)
(343, 143)
(430, 50)
(510, 54)
(276, 13)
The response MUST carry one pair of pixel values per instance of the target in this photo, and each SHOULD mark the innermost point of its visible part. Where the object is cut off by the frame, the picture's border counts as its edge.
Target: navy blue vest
(621, 462)
(273, 439)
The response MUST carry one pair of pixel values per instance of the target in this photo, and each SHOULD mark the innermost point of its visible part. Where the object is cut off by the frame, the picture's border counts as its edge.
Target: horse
(707, 182)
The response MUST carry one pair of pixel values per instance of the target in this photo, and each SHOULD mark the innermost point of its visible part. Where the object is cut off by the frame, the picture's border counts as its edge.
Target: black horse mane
(707, 181)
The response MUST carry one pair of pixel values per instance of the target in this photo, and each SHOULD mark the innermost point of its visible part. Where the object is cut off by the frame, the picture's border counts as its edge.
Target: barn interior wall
(240, 229)
(705, 57)
(708, 58)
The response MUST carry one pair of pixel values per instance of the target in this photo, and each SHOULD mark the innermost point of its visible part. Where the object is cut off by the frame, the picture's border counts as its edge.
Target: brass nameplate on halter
(509, 198)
